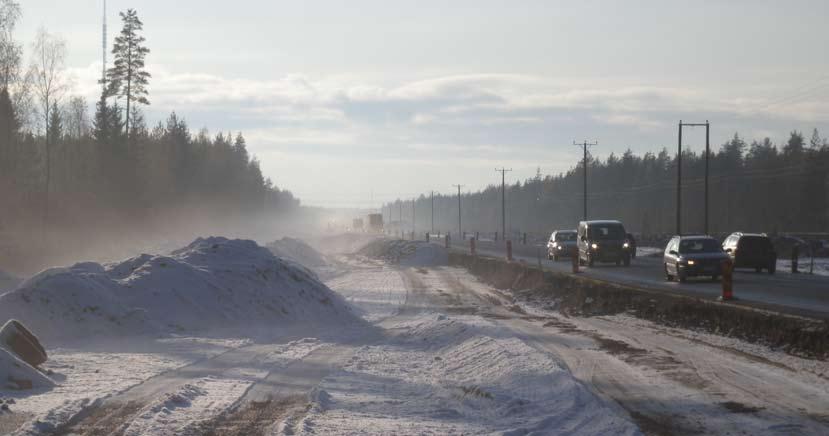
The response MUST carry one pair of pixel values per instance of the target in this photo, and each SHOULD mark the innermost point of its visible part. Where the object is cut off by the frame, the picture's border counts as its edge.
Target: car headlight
(559, 247)
(691, 262)
(626, 245)
(594, 246)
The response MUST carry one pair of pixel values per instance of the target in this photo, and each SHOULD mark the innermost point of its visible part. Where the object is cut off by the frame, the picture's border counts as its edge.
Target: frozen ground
(439, 353)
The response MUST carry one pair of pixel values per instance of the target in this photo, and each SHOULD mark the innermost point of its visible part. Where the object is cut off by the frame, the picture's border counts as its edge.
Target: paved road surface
(800, 294)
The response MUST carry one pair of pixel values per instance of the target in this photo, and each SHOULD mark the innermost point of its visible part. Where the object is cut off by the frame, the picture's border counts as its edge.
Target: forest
(754, 187)
(71, 180)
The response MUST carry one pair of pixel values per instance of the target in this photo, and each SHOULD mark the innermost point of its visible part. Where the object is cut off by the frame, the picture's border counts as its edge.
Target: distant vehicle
(562, 243)
(375, 222)
(631, 245)
(692, 256)
(603, 241)
(785, 245)
(357, 224)
(751, 250)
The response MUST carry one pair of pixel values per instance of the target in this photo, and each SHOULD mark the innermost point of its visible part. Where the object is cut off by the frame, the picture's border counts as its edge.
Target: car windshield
(691, 246)
(607, 231)
(564, 237)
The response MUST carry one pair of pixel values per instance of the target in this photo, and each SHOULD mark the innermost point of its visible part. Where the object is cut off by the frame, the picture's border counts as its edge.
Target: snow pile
(407, 253)
(297, 251)
(7, 281)
(457, 375)
(211, 283)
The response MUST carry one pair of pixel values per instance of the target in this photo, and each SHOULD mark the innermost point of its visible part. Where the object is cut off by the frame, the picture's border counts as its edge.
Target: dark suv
(603, 241)
(751, 250)
(691, 256)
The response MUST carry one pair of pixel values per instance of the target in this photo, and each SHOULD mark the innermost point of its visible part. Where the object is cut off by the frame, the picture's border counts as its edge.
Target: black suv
(603, 241)
(751, 250)
(691, 256)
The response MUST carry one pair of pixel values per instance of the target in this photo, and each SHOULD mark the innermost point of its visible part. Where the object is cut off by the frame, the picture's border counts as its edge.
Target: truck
(375, 222)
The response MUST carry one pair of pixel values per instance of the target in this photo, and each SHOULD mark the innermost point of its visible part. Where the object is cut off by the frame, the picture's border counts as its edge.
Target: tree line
(67, 175)
(759, 186)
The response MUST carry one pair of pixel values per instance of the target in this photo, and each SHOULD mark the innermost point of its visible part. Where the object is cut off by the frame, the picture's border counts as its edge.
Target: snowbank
(407, 253)
(211, 283)
(7, 281)
(17, 374)
(297, 251)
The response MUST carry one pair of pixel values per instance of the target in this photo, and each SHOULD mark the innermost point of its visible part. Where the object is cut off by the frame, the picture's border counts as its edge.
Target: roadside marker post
(574, 257)
(427, 236)
(447, 241)
(795, 255)
(472, 246)
(727, 281)
(509, 250)
(524, 239)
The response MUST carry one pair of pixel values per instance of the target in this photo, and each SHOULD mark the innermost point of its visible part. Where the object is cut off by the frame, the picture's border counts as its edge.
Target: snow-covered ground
(391, 341)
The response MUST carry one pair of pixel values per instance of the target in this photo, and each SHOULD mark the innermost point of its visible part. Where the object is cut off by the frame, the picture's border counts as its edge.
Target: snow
(407, 253)
(182, 411)
(456, 374)
(821, 265)
(212, 283)
(297, 251)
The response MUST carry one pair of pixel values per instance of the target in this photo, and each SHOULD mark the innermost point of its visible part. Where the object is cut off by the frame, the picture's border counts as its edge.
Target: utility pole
(707, 126)
(584, 146)
(503, 172)
(459, 208)
(414, 230)
(433, 211)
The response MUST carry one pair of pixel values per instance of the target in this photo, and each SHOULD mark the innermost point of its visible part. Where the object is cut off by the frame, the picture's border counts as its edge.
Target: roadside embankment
(583, 296)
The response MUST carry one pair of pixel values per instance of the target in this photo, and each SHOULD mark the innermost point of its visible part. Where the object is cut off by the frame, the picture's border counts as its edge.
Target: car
(603, 241)
(693, 256)
(632, 245)
(562, 243)
(751, 250)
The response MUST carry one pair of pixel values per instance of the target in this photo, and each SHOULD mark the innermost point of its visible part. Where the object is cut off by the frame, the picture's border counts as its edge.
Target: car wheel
(555, 257)
(549, 257)
(590, 261)
(627, 261)
(668, 277)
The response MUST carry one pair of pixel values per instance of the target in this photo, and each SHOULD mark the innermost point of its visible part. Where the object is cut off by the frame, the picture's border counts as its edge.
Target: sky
(353, 103)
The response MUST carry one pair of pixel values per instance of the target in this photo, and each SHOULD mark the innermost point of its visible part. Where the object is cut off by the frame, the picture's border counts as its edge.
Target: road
(798, 294)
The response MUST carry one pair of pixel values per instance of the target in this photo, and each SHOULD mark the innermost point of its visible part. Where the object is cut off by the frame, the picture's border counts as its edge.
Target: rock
(15, 337)
(19, 375)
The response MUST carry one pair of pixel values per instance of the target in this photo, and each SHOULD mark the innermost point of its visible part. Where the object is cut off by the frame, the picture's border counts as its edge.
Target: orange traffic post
(509, 250)
(727, 282)
(472, 246)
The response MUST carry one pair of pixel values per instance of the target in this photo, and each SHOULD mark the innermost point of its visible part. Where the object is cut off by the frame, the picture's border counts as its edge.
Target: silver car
(562, 243)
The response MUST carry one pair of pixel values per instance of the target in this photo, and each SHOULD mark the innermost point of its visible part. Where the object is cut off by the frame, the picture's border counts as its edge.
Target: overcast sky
(345, 101)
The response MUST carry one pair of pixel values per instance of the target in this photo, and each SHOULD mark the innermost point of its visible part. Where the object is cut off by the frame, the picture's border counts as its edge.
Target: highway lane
(800, 294)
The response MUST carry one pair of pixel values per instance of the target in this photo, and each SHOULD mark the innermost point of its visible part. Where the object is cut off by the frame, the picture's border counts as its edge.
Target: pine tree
(127, 77)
